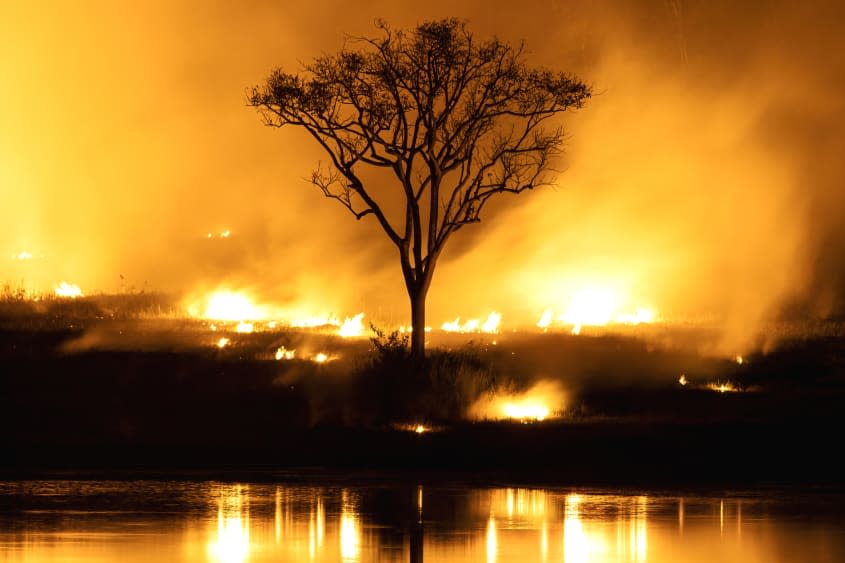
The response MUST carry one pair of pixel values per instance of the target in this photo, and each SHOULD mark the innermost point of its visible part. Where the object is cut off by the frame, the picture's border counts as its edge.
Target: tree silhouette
(451, 121)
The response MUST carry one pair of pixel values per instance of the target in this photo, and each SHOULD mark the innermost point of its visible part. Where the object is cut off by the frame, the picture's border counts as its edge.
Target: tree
(449, 121)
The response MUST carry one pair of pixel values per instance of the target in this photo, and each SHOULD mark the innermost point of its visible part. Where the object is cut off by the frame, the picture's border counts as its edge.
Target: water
(227, 522)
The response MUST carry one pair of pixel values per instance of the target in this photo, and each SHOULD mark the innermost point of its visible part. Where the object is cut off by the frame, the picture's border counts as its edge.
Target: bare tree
(452, 121)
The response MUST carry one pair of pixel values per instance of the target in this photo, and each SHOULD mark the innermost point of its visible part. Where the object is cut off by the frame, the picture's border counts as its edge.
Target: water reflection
(239, 523)
(231, 544)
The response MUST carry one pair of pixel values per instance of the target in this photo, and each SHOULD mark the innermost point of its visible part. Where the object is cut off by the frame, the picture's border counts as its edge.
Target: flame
(352, 327)
(313, 322)
(244, 327)
(739, 360)
(545, 319)
(491, 325)
(321, 358)
(283, 353)
(723, 387)
(536, 404)
(683, 380)
(419, 429)
(596, 306)
(526, 410)
(223, 342)
(232, 306)
(23, 255)
(66, 289)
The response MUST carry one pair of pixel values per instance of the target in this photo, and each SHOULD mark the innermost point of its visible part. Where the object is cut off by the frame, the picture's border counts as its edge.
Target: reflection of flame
(232, 306)
(231, 544)
(66, 289)
(491, 540)
(350, 532)
(352, 326)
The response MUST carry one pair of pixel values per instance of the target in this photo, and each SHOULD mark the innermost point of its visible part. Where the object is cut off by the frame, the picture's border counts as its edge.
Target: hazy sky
(705, 177)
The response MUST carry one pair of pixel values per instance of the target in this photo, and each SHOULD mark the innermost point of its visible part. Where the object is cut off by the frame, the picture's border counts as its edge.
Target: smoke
(702, 180)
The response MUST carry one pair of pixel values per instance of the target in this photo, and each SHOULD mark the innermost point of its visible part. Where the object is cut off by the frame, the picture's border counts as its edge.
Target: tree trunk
(418, 324)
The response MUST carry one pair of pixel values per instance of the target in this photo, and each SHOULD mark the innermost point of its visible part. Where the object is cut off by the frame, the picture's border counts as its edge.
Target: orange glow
(321, 358)
(66, 289)
(223, 342)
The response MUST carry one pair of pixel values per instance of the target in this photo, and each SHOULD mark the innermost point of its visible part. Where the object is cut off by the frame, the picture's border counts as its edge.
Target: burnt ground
(157, 395)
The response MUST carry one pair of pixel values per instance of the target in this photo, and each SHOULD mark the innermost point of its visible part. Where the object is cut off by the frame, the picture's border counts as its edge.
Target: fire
(232, 306)
(683, 380)
(536, 404)
(726, 387)
(244, 327)
(739, 360)
(490, 326)
(527, 410)
(66, 289)
(545, 319)
(321, 358)
(314, 322)
(283, 353)
(223, 342)
(23, 255)
(598, 306)
(419, 429)
(352, 327)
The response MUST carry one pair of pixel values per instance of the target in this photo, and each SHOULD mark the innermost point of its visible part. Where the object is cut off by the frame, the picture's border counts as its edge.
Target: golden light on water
(68, 290)
(231, 541)
(350, 530)
(492, 542)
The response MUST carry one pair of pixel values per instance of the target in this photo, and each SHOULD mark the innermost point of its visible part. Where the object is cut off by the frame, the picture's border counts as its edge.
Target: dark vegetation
(133, 391)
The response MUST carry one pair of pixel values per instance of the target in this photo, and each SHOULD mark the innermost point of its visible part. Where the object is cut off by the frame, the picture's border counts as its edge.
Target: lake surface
(372, 520)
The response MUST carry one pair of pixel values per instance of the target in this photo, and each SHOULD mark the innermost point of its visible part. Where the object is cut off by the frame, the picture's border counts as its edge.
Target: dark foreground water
(372, 520)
